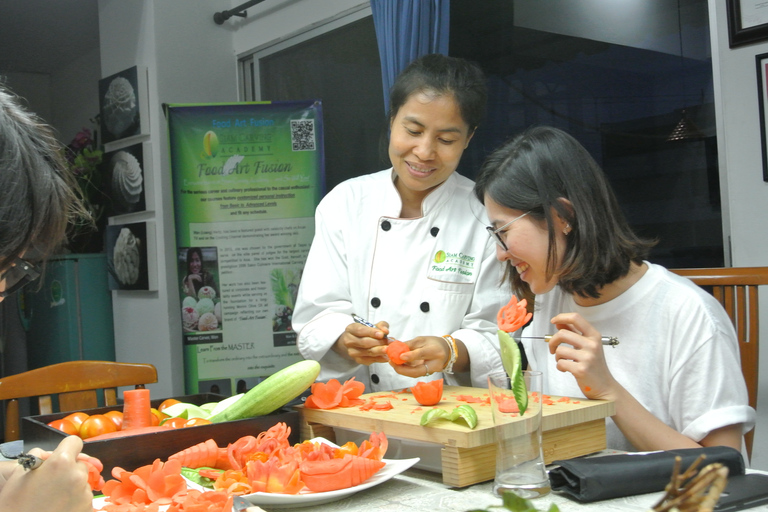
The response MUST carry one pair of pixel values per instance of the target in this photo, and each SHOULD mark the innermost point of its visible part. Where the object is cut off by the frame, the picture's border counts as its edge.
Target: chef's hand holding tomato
(60, 483)
(363, 344)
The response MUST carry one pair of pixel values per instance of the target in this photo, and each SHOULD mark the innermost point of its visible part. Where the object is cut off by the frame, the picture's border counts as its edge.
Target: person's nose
(501, 253)
(425, 149)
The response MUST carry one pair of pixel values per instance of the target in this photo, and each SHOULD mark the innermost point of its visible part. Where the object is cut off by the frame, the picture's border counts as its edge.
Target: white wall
(189, 59)
(744, 193)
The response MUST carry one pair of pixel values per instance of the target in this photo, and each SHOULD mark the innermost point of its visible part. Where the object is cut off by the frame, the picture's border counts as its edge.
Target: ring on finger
(428, 373)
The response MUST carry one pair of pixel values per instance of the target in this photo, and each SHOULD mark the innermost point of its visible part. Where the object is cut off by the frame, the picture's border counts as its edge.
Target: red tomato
(194, 422)
(95, 425)
(65, 426)
(77, 418)
(395, 349)
(176, 422)
(116, 417)
(167, 403)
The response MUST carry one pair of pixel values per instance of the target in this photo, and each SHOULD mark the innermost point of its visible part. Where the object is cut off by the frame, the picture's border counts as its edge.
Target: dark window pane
(622, 91)
(342, 69)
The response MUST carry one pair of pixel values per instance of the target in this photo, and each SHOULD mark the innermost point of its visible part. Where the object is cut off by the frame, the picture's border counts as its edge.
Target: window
(337, 63)
(626, 78)
(622, 77)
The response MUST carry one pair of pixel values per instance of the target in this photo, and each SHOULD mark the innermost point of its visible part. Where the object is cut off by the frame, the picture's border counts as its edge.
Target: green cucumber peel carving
(512, 361)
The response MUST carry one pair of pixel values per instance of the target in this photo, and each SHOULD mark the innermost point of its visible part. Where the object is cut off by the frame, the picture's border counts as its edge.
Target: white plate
(392, 468)
(305, 499)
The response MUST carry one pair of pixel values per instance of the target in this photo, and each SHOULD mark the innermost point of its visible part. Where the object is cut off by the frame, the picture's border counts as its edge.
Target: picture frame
(124, 106)
(131, 256)
(747, 22)
(127, 179)
(762, 95)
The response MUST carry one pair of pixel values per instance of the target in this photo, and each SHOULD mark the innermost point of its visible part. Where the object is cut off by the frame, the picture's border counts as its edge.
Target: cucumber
(272, 393)
(512, 361)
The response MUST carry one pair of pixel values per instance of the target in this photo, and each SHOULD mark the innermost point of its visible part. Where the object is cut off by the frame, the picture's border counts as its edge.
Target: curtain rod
(221, 17)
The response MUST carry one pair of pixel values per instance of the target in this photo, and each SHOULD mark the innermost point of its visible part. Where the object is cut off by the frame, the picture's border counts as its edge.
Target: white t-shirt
(678, 354)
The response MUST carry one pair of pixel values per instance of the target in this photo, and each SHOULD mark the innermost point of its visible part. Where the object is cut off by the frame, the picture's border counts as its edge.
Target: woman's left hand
(427, 352)
(578, 349)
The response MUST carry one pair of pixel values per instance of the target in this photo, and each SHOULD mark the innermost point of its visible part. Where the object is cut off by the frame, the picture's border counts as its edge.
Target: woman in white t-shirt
(675, 377)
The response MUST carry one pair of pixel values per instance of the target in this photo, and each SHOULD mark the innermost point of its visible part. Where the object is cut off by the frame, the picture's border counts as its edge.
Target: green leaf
(193, 475)
(512, 361)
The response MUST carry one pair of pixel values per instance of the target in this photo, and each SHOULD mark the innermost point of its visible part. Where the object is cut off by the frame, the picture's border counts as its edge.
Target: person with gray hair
(38, 199)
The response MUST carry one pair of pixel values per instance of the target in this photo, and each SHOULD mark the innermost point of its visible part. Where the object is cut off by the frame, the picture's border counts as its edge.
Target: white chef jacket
(428, 276)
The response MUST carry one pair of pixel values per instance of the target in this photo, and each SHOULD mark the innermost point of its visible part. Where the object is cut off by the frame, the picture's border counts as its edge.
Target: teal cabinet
(70, 316)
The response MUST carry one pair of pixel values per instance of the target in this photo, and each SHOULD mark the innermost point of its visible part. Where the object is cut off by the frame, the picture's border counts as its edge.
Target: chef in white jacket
(406, 249)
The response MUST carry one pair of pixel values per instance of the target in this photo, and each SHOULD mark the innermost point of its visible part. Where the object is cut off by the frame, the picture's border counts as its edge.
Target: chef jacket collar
(434, 199)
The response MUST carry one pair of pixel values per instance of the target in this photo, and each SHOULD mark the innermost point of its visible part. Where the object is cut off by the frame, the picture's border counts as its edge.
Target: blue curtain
(405, 30)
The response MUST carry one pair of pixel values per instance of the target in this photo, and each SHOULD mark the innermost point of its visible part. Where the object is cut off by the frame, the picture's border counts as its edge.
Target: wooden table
(572, 427)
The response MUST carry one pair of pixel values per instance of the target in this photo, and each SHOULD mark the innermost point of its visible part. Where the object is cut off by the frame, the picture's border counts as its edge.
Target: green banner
(246, 180)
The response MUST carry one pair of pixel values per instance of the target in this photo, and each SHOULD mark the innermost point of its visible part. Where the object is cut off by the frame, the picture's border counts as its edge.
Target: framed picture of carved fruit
(126, 183)
(123, 105)
(131, 256)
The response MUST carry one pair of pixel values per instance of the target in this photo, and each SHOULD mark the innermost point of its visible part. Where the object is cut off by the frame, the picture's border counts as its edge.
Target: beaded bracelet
(454, 353)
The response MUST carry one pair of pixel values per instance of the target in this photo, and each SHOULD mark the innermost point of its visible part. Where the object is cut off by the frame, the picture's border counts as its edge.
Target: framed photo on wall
(747, 21)
(762, 95)
(131, 256)
(123, 105)
(127, 183)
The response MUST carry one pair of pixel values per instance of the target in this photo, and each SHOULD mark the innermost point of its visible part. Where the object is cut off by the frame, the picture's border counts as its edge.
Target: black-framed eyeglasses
(18, 275)
(496, 233)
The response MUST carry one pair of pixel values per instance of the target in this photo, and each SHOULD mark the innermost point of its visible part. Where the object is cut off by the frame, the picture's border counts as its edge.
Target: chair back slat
(736, 289)
(75, 383)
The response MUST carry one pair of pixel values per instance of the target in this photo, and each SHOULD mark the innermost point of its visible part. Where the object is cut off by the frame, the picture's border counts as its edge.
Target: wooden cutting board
(571, 427)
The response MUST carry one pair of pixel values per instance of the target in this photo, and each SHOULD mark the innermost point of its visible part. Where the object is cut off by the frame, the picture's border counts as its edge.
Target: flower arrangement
(83, 159)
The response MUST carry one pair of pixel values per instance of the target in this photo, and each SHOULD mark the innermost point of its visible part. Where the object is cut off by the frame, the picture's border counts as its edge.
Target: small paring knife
(607, 340)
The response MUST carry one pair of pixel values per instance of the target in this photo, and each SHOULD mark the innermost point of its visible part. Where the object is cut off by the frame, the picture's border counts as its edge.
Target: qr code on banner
(303, 134)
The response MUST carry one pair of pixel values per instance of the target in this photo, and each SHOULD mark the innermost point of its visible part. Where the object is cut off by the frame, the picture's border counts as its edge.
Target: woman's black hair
(190, 252)
(440, 74)
(534, 172)
(38, 196)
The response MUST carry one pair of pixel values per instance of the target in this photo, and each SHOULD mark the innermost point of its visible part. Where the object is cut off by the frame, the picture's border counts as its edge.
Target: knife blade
(607, 340)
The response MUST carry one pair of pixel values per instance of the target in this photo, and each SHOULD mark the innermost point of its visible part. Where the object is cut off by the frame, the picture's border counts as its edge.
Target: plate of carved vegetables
(265, 469)
(276, 474)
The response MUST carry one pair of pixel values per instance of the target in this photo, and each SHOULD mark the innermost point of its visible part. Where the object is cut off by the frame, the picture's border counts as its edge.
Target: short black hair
(443, 75)
(535, 170)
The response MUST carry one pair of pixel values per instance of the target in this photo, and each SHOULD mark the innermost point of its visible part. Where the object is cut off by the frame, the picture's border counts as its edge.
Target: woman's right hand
(60, 483)
(363, 344)
(189, 284)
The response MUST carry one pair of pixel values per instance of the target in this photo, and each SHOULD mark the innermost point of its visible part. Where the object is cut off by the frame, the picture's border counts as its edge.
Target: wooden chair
(75, 383)
(736, 289)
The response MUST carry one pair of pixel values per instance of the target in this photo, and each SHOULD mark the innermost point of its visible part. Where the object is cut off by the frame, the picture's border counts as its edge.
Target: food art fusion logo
(453, 262)
(232, 150)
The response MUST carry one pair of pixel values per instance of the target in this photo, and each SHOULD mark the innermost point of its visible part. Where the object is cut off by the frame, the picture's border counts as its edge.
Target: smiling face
(428, 136)
(527, 243)
(195, 264)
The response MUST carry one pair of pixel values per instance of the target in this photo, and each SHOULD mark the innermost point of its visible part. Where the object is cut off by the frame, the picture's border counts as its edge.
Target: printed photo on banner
(200, 293)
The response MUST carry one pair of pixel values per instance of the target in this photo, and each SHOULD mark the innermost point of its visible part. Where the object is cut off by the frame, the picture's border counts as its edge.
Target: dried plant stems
(692, 490)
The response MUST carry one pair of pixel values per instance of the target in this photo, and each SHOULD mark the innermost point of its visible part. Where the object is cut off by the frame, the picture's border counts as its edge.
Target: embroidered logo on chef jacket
(453, 267)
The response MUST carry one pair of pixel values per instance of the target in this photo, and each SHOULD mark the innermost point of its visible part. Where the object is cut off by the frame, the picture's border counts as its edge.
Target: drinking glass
(519, 458)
